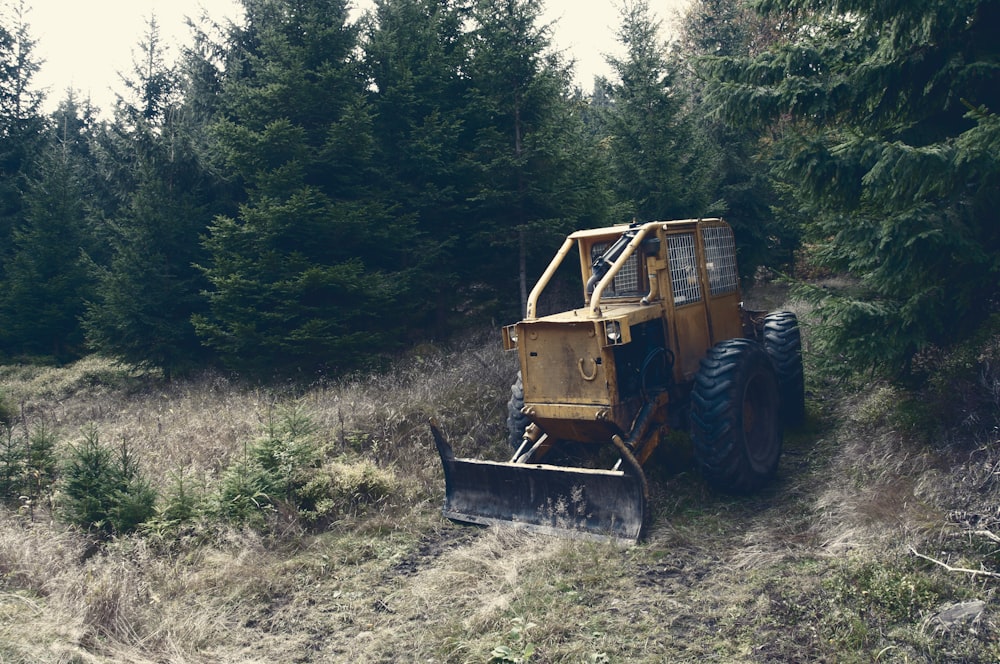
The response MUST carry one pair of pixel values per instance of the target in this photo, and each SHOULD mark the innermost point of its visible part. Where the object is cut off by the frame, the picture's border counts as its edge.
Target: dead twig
(963, 570)
(988, 534)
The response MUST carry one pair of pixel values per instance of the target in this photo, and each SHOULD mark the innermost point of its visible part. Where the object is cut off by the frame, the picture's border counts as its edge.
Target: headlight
(613, 330)
(510, 337)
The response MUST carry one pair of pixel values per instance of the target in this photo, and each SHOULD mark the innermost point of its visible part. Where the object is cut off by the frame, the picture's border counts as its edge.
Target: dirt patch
(432, 546)
(684, 568)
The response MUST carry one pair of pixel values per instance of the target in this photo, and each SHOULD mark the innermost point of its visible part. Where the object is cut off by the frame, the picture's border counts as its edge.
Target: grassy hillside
(878, 542)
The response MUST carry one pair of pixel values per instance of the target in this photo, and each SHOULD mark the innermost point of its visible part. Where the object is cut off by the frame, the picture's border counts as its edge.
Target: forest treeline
(303, 192)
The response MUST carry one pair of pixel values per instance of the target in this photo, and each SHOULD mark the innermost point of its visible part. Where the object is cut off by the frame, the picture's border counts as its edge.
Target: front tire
(735, 426)
(783, 344)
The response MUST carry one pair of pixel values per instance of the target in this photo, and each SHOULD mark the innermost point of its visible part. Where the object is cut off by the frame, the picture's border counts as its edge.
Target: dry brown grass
(145, 597)
(814, 568)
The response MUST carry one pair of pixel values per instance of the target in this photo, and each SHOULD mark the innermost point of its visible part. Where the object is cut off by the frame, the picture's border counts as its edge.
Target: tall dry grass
(191, 594)
(195, 427)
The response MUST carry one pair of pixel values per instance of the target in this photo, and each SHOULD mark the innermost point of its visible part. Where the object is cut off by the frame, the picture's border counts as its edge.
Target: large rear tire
(735, 426)
(517, 421)
(783, 344)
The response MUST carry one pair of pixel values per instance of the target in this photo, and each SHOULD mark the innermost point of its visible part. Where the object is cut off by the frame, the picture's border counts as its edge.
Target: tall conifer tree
(149, 289)
(733, 159)
(26, 280)
(21, 123)
(416, 53)
(311, 272)
(887, 117)
(654, 163)
(539, 171)
(46, 277)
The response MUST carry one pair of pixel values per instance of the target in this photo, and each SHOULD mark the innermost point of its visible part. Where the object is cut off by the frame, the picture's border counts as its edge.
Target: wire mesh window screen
(683, 268)
(720, 259)
(626, 282)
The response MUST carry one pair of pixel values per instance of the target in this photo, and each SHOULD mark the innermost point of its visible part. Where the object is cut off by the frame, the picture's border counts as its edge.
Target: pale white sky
(85, 44)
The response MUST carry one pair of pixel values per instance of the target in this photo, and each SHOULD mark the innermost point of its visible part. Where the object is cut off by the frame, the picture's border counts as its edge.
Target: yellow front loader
(662, 342)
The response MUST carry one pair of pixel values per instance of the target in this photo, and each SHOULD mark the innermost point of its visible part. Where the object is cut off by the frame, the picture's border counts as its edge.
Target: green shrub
(520, 651)
(41, 465)
(183, 514)
(12, 464)
(27, 464)
(182, 502)
(104, 490)
(273, 472)
(284, 473)
(7, 411)
(359, 485)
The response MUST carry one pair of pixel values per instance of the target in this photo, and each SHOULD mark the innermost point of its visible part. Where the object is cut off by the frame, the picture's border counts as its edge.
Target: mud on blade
(553, 499)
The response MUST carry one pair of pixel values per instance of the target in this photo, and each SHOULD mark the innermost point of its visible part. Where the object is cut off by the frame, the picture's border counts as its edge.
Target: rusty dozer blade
(575, 502)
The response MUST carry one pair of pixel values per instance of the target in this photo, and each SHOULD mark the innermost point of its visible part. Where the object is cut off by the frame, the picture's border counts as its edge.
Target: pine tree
(415, 55)
(77, 127)
(148, 289)
(21, 123)
(22, 130)
(105, 490)
(312, 271)
(46, 276)
(655, 167)
(539, 171)
(886, 114)
(734, 163)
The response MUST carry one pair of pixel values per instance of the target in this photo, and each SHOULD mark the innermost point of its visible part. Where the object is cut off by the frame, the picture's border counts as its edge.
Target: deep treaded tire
(783, 344)
(734, 417)
(516, 421)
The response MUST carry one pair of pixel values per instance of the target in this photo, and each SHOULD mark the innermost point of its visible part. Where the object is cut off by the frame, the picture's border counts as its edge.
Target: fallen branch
(963, 570)
(988, 534)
